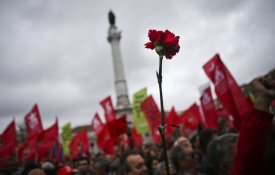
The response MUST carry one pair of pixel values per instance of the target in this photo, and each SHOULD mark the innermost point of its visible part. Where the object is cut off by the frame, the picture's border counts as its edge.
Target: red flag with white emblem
(191, 118)
(33, 122)
(46, 140)
(227, 89)
(97, 124)
(79, 144)
(107, 105)
(208, 109)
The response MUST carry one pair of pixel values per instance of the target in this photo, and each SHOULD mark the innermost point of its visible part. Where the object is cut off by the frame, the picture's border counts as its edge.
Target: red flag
(191, 118)
(97, 124)
(136, 138)
(107, 105)
(33, 122)
(208, 109)
(45, 141)
(227, 89)
(79, 144)
(152, 113)
(221, 112)
(118, 127)
(105, 142)
(174, 119)
(9, 136)
(27, 151)
(7, 154)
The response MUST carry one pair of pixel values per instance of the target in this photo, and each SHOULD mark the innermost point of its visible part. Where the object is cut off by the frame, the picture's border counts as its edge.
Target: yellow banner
(66, 136)
(140, 121)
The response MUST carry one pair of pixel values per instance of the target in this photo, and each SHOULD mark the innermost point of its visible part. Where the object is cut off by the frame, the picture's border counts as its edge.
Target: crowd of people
(248, 151)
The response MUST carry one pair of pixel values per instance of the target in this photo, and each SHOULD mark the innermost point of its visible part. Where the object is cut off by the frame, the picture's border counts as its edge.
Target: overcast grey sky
(55, 53)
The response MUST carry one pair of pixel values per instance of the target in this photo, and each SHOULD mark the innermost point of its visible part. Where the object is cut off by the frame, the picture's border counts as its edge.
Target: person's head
(82, 165)
(221, 153)
(48, 168)
(155, 163)
(36, 171)
(28, 166)
(135, 164)
(205, 136)
(195, 141)
(182, 159)
(101, 167)
(185, 144)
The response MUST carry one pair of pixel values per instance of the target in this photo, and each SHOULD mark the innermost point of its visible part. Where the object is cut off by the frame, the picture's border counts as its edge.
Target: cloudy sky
(55, 53)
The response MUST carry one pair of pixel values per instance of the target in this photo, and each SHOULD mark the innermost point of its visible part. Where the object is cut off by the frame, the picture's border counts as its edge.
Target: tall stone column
(120, 83)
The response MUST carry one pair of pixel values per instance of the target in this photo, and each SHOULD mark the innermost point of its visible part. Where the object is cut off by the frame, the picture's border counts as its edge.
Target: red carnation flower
(165, 43)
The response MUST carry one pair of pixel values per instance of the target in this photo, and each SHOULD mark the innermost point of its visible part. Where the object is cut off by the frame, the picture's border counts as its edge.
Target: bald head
(36, 171)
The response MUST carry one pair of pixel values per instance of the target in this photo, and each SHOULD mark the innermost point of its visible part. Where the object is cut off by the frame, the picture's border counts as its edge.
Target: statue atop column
(120, 82)
(112, 18)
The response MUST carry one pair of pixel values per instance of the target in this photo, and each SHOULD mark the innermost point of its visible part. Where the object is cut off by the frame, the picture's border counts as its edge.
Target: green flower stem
(162, 128)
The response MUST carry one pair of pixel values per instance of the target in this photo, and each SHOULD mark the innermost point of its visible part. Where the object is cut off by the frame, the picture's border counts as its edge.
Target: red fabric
(7, 154)
(174, 119)
(118, 127)
(221, 112)
(27, 151)
(46, 140)
(136, 138)
(227, 89)
(65, 170)
(97, 124)
(208, 109)
(9, 136)
(107, 105)
(33, 122)
(191, 118)
(105, 142)
(153, 116)
(79, 144)
(249, 159)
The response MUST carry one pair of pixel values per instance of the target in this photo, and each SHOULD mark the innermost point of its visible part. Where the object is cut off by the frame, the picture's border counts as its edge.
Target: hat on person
(65, 170)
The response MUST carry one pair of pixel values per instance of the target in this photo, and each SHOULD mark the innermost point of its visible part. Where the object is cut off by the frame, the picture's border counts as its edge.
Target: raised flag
(191, 118)
(46, 140)
(27, 150)
(136, 138)
(172, 119)
(33, 122)
(227, 89)
(7, 155)
(8, 137)
(105, 142)
(208, 108)
(222, 113)
(131, 141)
(152, 114)
(97, 124)
(118, 127)
(66, 136)
(79, 145)
(109, 111)
(139, 119)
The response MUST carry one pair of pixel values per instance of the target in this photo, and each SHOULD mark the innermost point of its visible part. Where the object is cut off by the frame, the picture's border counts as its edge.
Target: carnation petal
(154, 35)
(150, 45)
(166, 39)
